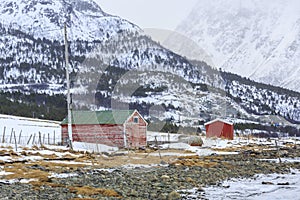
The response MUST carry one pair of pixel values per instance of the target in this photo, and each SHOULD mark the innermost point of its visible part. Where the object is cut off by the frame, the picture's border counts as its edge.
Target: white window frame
(136, 119)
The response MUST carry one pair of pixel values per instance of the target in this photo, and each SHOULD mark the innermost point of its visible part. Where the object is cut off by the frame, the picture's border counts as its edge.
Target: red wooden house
(120, 128)
(219, 128)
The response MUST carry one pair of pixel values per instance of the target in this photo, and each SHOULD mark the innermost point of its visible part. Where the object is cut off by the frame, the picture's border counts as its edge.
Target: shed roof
(99, 117)
(218, 120)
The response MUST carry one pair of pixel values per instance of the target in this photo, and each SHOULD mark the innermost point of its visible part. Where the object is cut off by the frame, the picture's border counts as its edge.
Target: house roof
(218, 120)
(99, 117)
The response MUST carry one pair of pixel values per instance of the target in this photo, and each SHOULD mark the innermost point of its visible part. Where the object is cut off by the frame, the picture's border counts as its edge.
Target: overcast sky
(165, 14)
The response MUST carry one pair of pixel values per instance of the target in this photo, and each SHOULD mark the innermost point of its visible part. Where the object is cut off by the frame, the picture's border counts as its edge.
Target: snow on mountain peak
(256, 39)
(46, 18)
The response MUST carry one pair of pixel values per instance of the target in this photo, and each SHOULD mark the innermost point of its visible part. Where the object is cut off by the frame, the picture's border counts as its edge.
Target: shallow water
(277, 186)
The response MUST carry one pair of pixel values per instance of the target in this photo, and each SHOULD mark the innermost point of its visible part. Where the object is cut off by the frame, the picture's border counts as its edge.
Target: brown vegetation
(88, 190)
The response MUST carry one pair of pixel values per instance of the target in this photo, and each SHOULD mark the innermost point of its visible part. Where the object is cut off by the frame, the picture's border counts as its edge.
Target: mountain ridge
(46, 18)
(255, 39)
(121, 67)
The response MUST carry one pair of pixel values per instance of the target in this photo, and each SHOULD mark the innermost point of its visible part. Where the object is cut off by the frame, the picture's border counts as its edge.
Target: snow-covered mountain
(139, 73)
(115, 65)
(32, 37)
(259, 39)
(46, 19)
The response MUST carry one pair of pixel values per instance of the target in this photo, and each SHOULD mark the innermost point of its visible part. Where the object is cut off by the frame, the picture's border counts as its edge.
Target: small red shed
(219, 128)
(120, 128)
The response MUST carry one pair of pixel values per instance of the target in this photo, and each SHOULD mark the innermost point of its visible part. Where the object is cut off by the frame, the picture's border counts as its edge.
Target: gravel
(161, 182)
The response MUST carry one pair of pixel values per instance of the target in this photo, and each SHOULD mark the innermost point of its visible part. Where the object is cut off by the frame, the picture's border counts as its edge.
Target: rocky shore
(164, 181)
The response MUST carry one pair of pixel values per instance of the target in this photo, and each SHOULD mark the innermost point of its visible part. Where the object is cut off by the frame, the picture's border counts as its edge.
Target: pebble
(174, 195)
(164, 182)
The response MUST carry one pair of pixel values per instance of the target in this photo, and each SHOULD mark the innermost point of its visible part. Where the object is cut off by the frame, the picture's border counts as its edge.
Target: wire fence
(21, 138)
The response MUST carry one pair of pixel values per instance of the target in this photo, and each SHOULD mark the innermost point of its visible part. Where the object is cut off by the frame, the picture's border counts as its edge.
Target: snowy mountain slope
(31, 39)
(144, 74)
(28, 61)
(46, 18)
(262, 99)
(118, 66)
(255, 39)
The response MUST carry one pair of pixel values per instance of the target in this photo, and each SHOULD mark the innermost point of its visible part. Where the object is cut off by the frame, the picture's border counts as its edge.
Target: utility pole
(68, 90)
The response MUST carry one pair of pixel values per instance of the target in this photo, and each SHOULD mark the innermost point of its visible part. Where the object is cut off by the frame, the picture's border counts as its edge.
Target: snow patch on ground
(26, 130)
(283, 160)
(280, 186)
(135, 166)
(62, 175)
(83, 146)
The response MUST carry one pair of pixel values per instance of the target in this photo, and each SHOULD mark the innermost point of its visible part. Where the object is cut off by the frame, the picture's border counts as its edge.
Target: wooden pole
(20, 137)
(157, 146)
(68, 90)
(44, 138)
(127, 146)
(11, 134)
(48, 138)
(33, 139)
(3, 136)
(29, 139)
(40, 138)
(16, 146)
(97, 145)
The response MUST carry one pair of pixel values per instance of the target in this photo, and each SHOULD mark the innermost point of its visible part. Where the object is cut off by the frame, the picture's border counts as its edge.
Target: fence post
(20, 137)
(3, 136)
(48, 138)
(15, 141)
(44, 138)
(40, 138)
(156, 143)
(29, 139)
(33, 139)
(11, 134)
